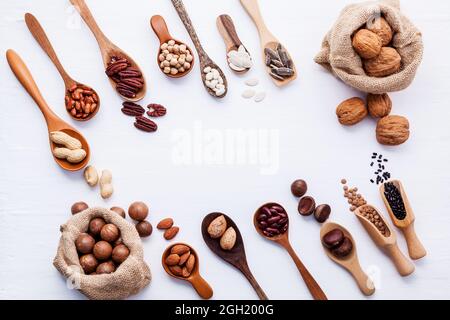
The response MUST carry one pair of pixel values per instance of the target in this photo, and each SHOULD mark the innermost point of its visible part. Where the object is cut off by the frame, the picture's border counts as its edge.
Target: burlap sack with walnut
(129, 278)
(339, 57)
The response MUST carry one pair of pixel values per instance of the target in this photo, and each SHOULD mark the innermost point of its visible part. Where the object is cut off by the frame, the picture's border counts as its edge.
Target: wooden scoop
(232, 42)
(159, 26)
(415, 248)
(107, 48)
(39, 34)
(387, 243)
(267, 39)
(351, 262)
(54, 123)
(195, 279)
(283, 240)
(205, 60)
(236, 256)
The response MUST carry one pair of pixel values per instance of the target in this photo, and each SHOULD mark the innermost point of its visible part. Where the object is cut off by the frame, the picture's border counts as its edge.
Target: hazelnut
(96, 225)
(381, 27)
(120, 253)
(385, 64)
(366, 44)
(299, 188)
(392, 130)
(89, 263)
(379, 105)
(119, 211)
(144, 228)
(351, 111)
(138, 211)
(106, 268)
(78, 207)
(110, 232)
(84, 243)
(102, 250)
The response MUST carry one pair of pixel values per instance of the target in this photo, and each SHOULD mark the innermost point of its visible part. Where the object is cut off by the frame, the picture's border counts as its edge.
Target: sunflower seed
(284, 72)
(272, 53)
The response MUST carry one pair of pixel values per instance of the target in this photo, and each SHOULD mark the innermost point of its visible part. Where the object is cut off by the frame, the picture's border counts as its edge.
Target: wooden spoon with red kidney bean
(272, 222)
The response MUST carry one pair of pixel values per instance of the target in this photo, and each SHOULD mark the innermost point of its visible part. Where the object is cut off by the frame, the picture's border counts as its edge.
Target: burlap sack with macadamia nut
(129, 278)
(339, 57)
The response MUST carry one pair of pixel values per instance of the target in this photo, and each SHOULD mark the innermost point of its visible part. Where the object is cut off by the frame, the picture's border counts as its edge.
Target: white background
(36, 195)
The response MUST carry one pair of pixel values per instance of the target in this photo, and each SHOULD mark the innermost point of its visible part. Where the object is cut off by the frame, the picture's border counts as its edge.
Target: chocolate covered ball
(138, 211)
(299, 188)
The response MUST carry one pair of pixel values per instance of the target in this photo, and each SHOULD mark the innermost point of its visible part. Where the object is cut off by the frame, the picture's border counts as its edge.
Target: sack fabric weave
(129, 278)
(338, 56)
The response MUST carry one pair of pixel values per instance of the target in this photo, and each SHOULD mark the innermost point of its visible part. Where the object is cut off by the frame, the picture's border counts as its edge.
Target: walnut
(385, 64)
(379, 105)
(381, 27)
(393, 130)
(367, 44)
(351, 111)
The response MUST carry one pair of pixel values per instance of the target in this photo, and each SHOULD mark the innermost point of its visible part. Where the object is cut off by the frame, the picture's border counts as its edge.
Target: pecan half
(156, 110)
(130, 74)
(145, 124)
(126, 93)
(132, 82)
(115, 68)
(132, 109)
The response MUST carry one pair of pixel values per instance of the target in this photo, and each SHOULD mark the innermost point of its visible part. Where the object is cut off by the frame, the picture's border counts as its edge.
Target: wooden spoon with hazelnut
(159, 26)
(195, 279)
(236, 256)
(108, 49)
(283, 240)
(349, 262)
(71, 85)
(54, 123)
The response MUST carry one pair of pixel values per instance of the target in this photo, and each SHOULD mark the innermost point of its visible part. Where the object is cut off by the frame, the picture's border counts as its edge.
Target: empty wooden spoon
(387, 241)
(404, 221)
(39, 34)
(109, 50)
(268, 41)
(205, 60)
(232, 42)
(350, 262)
(195, 279)
(159, 26)
(54, 123)
(283, 240)
(236, 256)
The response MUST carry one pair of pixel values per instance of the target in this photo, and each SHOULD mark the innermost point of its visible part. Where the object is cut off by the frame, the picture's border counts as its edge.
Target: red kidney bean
(272, 220)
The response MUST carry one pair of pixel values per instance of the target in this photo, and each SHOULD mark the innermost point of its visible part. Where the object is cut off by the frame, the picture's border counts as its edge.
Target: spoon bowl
(281, 238)
(161, 30)
(54, 123)
(195, 279)
(236, 256)
(350, 262)
(273, 44)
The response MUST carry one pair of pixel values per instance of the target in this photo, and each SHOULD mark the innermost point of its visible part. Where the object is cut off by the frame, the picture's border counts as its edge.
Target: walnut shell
(379, 105)
(366, 44)
(385, 64)
(381, 27)
(393, 130)
(351, 111)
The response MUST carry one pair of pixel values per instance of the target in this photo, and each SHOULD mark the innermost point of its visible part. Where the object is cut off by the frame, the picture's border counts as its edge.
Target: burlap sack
(337, 54)
(129, 278)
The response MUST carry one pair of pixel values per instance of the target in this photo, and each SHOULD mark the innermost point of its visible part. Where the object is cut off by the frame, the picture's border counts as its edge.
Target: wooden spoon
(350, 262)
(159, 26)
(415, 248)
(232, 42)
(283, 240)
(39, 34)
(195, 279)
(205, 60)
(388, 242)
(107, 48)
(54, 123)
(236, 256)
(267, 39)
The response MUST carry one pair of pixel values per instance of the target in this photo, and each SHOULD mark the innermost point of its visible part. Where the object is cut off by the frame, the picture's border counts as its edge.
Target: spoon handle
(416, 249)
(365, 284)
(403, 265)
(160, 28)
(24, 76)
(39, 34)
(228, 31)
(259, 291)
(202, 287)
(252, 8)
(184, 16)
(312, 285)
(87, 16)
